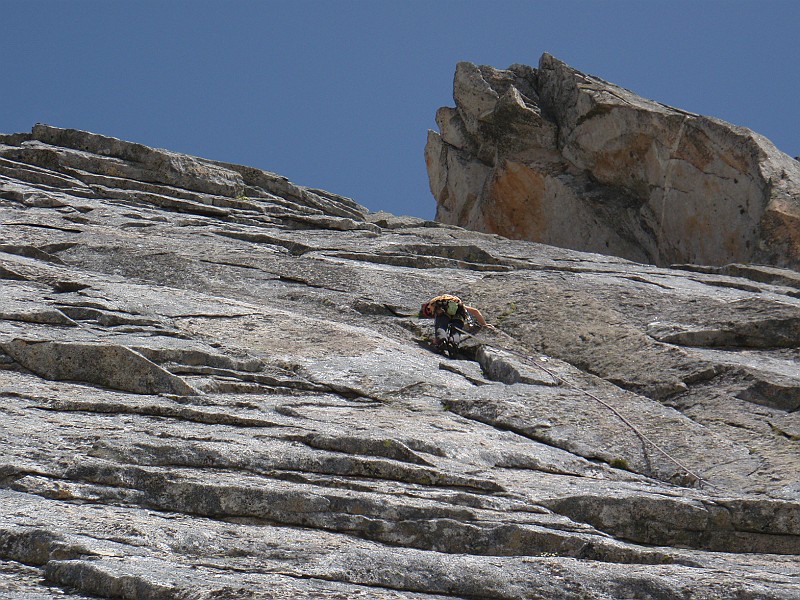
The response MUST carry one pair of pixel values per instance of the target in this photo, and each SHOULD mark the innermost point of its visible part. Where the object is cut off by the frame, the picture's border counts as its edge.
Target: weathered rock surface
(556, 156)
(211, 387)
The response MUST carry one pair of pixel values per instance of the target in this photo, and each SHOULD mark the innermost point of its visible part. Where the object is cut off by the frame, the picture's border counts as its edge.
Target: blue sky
(340, 94)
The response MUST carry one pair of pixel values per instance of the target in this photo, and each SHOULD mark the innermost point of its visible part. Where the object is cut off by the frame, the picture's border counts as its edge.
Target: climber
(452, 318)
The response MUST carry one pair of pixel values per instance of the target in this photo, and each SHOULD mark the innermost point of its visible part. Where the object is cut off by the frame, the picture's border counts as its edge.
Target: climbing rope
(645, 439)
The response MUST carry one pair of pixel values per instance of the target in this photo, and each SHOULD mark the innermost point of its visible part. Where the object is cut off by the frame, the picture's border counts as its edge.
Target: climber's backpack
(451, 306)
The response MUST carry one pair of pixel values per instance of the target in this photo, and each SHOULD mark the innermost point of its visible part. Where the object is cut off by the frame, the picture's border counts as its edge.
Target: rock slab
(212, 386)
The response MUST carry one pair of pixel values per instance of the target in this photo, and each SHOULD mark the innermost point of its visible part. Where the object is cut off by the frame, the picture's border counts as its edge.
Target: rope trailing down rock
(645, 439)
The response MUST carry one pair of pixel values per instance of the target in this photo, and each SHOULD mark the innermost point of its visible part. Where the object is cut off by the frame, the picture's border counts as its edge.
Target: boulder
(557, 156)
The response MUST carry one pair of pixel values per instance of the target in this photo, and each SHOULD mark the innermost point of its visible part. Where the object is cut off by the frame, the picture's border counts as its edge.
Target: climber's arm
(476, 314)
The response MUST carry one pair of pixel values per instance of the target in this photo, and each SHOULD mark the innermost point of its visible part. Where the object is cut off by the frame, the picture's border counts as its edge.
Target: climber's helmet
(426, 310)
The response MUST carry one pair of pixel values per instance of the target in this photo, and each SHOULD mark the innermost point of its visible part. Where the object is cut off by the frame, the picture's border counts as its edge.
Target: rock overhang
(608, 171)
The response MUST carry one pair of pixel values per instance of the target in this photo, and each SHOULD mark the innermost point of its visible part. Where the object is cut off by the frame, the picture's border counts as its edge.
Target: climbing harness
(453, 334)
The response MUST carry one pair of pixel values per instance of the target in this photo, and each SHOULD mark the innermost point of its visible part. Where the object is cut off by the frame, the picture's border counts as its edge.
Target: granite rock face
(556, 156)
(211, 386)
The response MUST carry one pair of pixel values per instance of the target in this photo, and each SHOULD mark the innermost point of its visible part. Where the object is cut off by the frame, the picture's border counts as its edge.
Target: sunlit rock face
(553, 155)
(213, 385)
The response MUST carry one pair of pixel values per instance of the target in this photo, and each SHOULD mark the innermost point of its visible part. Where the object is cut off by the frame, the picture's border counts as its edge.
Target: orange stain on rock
(514, 203)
